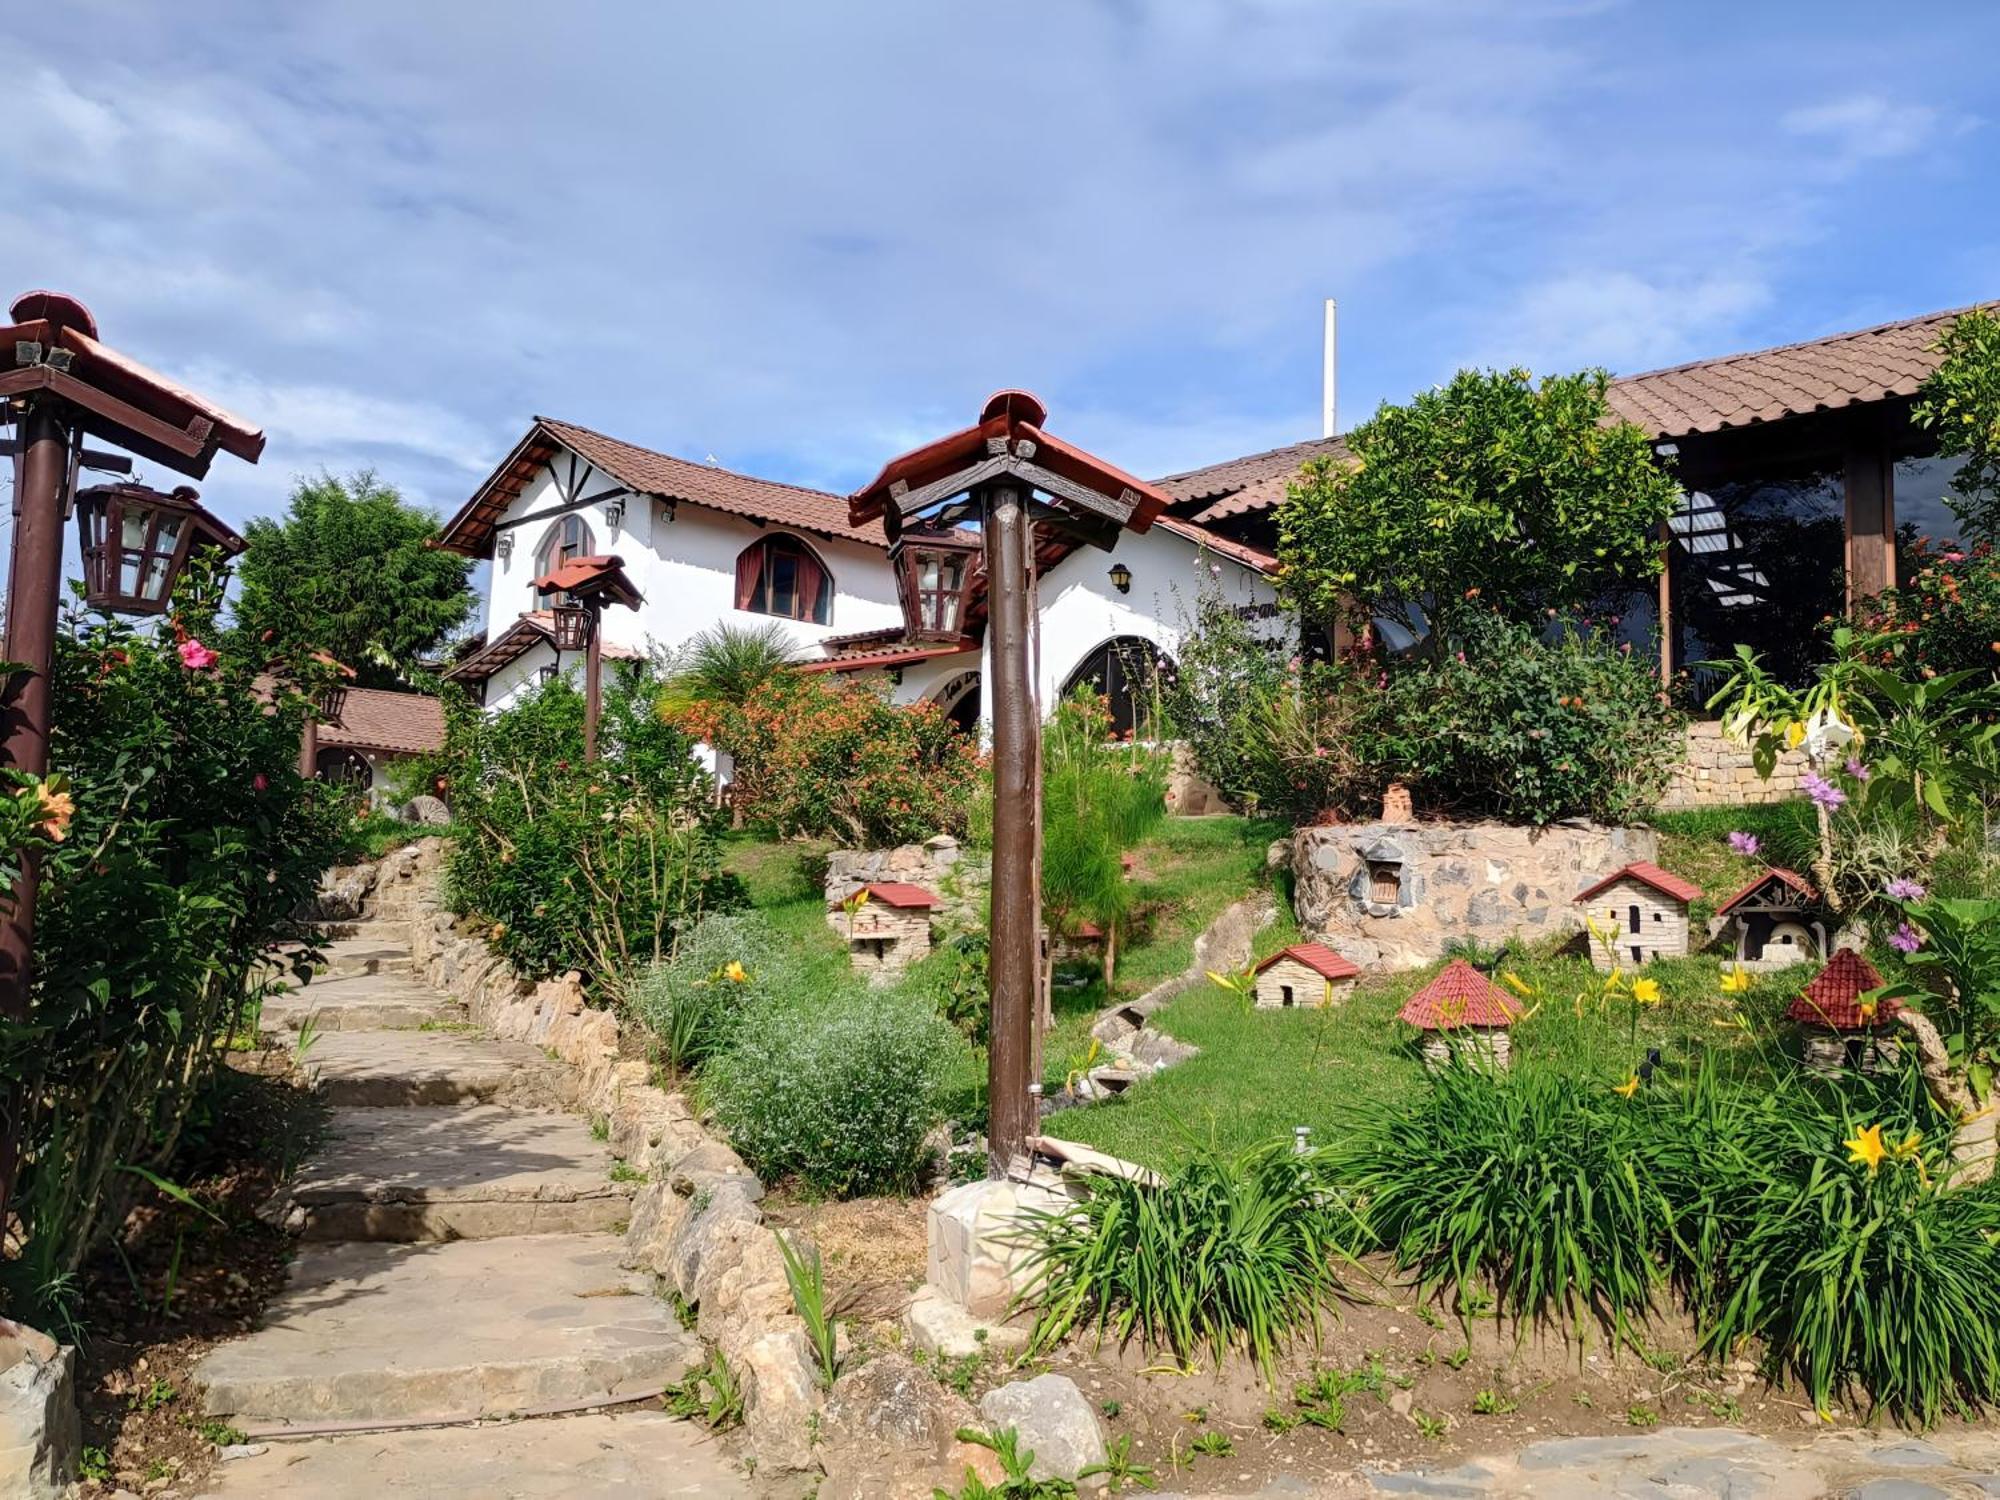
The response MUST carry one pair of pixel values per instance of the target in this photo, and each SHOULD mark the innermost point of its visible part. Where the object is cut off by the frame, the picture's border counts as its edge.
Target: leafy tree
(1522, 497)
(347, 572)
(726, 664)
(1961, 404)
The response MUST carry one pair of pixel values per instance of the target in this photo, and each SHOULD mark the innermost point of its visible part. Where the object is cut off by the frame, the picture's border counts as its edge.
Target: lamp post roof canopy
(601, 577)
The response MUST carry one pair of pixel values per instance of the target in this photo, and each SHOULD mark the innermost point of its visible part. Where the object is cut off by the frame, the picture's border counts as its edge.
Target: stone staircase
(458, 1265)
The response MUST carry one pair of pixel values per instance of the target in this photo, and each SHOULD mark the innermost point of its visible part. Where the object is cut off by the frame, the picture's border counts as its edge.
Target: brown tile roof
(1833, 999)
(1842, 369)
(377, 719)
(1791, 878)
(529, 630)
(1255, 558)
(1664, 881)
(891, 656)
(1317, 957)
(647, 472)
(1459, 996)
(1824, 374)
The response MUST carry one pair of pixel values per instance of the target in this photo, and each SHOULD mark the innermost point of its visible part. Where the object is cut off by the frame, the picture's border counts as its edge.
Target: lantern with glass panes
(135, 541)
(934, 580)
(572, 626)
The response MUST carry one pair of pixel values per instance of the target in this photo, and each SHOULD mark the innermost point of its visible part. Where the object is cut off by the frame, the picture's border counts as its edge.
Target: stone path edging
(696, 1223)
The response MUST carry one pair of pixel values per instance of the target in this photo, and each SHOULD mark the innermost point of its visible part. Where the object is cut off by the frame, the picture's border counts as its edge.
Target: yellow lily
(1646, 991)
(1614, 981)
(1867, 1009)
(1866, 1147)
(734, 972)
(1517, 984)
(1628, 1088)
(1735, 981)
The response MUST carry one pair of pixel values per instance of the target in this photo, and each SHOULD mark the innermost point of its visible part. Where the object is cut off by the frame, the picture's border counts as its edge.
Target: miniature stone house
(1635, 915)
(1839, 1033)
(1465, 1013)
(1778, 920)
(1305, 974)
(1384, 882)
(889, 930)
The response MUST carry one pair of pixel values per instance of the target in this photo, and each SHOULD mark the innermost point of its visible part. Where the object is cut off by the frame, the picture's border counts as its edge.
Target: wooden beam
(1871, 539)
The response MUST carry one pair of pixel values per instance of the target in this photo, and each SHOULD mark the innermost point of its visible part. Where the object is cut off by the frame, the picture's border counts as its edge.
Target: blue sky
(798, 238)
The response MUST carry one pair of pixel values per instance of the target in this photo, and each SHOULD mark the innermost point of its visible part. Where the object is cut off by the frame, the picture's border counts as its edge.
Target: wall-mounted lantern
(934, 580)
(614, 512)
(331, 701)
(504, 547)
(1121, 578)
(136, 540)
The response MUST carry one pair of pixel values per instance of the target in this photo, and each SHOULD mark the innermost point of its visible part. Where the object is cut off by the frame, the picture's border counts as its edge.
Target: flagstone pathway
(457, 1272)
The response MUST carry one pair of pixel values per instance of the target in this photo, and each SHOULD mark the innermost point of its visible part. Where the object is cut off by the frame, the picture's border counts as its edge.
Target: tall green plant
(726, 664)
(1960, 403)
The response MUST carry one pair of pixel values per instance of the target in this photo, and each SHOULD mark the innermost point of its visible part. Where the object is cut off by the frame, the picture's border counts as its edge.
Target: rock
(426, 809)
(343, 893)
(1910, 1454)
(888, 1405)
(1153, 1048)
(1051, 1417)
(1898, 1489)
(711, 1165)
(780, 1397)
(234, 1451)
(939, 1325)
(40, 1433)
(710, 1237)
(976, 1246)
(657, 1213)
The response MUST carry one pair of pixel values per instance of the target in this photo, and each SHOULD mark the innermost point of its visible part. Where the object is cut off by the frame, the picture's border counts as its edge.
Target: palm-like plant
(726, 664)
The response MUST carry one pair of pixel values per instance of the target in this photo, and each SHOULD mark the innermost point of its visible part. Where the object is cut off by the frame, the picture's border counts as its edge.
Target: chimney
(1330, 373)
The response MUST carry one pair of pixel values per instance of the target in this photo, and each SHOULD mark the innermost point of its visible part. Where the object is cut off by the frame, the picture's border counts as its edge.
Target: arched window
(781, 576)
(569, 538)
(1124, 671)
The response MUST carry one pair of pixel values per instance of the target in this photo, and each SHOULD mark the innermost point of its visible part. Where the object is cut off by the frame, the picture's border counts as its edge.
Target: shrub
(952, 980)
(1945, 617)
(1530, 728)
(587, 867)
(819, 759)
(724, 967)
(1530, 1181)
(1228, 1252)
(840, 1095)
(1960, 402)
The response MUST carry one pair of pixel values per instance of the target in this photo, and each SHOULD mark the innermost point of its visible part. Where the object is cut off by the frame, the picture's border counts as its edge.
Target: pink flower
(1905, 889)
(1745, 843)
(260, 782)
(195, 656)
(1904, 939)
(1856, 769)
(1822, 791)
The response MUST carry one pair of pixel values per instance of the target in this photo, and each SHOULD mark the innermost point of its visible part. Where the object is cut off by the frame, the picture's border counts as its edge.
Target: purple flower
(1822, 791)
(1857, 770)
(1745, 843)
(1905, 889)
(1904, 939)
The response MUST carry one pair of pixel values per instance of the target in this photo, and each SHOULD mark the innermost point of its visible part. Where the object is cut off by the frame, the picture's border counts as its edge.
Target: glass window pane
(784, 584)
(156, 578)
(133, 529)
(128, 572)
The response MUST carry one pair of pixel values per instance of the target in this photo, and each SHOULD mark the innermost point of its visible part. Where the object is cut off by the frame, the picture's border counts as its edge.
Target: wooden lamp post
(584, 585)
(1005, 475)
(58, 384)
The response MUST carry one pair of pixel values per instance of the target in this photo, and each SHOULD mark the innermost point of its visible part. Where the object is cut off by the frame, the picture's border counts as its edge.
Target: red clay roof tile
(1318, 957)
(1664, 881)
(1459, 996)
(1833, 998)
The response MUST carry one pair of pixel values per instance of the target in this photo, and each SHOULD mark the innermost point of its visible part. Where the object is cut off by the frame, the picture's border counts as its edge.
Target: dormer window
(780, 576)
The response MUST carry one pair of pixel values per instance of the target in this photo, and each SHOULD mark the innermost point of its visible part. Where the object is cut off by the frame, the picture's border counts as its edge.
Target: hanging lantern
(135, 541)
(1121, 578)
(330, 702)
(572, 627)
(934, 580)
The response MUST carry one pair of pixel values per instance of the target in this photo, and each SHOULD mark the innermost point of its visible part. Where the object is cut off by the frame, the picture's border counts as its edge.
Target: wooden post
(309, 745)
(1870, 510)
(1014, 969)
(1663, 621)
(34, 590)
(593, 682)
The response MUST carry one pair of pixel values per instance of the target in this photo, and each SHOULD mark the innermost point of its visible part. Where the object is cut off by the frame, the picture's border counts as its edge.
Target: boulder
(888, 1406)
(939, 1325)
(657, 1212)
(40, 1434)
(710, 1238)
(977, 1242)
(780, 1398)
(426, 809)
(342, 893)
(712, 1165)
(1050, 1417)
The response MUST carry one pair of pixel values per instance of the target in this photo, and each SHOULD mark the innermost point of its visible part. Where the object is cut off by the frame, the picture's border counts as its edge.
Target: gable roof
(1459, 996)
(1321, 959)
(648, 472)
(529, 630)
(1257, 481)
(379, 719)
(1833, 998)
(1791, 878)
(1664, 881)
(901, 894)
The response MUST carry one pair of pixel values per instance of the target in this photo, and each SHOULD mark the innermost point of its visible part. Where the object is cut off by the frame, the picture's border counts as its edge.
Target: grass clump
(1230, 1252)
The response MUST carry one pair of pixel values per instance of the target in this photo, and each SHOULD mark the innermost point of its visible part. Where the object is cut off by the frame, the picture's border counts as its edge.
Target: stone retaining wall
(957, 876)
(696, 1224)
(1717, 772)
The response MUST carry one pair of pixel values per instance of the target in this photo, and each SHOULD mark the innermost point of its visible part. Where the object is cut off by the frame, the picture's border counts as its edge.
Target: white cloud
(1862, 128)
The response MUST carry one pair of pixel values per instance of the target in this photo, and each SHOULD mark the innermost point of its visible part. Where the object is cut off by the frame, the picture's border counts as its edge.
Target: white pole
(1329, 379)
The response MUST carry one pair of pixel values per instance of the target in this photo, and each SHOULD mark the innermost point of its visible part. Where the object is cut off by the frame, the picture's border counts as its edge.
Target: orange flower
(57, 809)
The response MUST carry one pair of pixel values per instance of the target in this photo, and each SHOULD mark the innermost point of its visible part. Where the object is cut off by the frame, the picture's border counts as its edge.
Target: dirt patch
(873, 1248)
(181, 1280)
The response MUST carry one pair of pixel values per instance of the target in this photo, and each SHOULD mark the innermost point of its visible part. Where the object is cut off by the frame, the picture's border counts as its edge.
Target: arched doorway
(959, 698)
(1126, 672)
(347, 769)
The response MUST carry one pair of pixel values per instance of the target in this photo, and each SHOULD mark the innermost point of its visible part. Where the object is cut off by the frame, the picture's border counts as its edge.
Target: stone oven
(1778, 920)
(887, 926)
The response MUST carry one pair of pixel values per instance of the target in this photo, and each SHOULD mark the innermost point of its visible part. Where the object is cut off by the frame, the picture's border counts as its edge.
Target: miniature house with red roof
(1465, 1013)
(1844, 1026)
(1636, 915)
(1778, 920)
(1305, 974)
(887, 925)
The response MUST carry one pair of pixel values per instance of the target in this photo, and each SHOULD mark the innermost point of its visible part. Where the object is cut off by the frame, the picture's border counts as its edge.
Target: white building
(706, 546)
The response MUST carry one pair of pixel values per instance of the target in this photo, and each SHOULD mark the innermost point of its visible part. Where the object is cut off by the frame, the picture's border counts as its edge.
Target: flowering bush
(593, 867)
(176, 840)
(724, 967)
(1944, 618)
(821, 759)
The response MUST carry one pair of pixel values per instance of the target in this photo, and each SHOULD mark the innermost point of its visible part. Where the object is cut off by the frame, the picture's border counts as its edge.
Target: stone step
(360, 1002)
(477, 1171)
(601, 1456)
(476, 1328)
(428, 1067)
(368, 953)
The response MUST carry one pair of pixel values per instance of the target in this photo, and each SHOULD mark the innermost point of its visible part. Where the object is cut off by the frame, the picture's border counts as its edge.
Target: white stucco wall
(685, 568)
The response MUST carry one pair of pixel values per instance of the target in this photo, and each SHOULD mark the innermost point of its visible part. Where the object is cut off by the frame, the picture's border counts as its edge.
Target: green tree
(1493, 490)
(347, 571)
(1960, 403)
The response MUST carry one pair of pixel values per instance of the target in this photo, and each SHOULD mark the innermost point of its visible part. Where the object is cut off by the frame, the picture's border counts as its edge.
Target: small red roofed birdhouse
(1843, 1019)
(1635, 915)
(1305, 974)
(1466, 1013)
